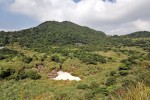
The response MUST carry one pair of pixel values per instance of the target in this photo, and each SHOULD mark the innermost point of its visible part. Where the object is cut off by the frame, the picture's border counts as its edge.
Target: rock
(53, 73)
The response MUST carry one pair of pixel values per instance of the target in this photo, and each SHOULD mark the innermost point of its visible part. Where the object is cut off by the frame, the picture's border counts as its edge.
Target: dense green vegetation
(139, 34)
(110, 67)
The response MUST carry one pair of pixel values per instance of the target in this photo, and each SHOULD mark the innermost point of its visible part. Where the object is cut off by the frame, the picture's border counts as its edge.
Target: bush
(82, 86)
(20, 75)
(23, 74)
(89, 58)
(129, 61)
(123, 73)
(2, 57)
(94, 85)
(32, 75)
(55, 58)
(124, 67)
(4, 73)
(103, 91)
(112, 73)
(110, 81)
(27, 59)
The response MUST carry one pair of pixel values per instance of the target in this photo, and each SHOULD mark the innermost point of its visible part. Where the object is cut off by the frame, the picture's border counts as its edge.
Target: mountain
(110, 67)
(52, 33)
(139, 34)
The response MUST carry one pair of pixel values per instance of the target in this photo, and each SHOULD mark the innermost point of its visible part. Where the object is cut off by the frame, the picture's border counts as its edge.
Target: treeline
(7, 53)
(52, 33)
(139, 34)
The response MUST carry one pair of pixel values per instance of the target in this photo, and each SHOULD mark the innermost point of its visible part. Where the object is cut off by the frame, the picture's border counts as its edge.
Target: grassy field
(117, 79)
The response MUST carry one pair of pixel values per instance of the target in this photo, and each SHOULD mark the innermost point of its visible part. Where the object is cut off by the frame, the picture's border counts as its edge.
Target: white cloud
(142, 25)
(121, 17)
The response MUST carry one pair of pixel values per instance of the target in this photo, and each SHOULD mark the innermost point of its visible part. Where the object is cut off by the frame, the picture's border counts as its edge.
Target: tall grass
(139, 92)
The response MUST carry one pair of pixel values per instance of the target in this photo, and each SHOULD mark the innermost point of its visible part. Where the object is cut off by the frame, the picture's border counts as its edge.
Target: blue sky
(120, 17)
(76, 1)
(13, 21)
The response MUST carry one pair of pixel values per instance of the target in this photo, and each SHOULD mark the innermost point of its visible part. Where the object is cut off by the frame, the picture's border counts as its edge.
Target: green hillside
(110, 67)
(52, 33)
(139, 34)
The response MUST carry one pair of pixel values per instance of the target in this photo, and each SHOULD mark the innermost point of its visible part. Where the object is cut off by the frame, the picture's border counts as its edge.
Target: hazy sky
(120, 17)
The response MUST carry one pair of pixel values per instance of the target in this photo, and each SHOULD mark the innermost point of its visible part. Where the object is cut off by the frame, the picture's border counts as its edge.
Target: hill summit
(139, 34)
(52, 32)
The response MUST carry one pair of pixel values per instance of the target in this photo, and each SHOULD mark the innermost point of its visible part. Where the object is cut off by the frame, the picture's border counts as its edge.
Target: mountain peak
(139, 34)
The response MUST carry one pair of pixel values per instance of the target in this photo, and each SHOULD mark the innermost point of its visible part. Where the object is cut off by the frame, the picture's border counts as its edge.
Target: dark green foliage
(50, 33)
(55, 58)
(32, 75)
(3, 39)
(89, 58)
(139, 34)
(23, 74)
(124, 67)
(113, 73)
(7, 53)
(82, 86)
(123, 72)
(110, 81)
(102, 90)
(2, 57)
(128, 62)
(27, 59)
(4, 73)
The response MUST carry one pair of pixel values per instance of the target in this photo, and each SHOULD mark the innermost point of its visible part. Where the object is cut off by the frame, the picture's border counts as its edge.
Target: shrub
(124, 67)
(55, 58)
(112, 73)
(110, 81)
(2, 57)
(123, 73)
(4, 73)
(103, 91)
(129, 61)
(20, 75)
(89, 58)
(94, 85)
(23, 74)
(82, 86)
(27, 59)
(33, 75)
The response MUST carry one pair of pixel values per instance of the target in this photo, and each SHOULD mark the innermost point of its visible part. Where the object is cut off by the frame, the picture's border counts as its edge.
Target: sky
(110, 16)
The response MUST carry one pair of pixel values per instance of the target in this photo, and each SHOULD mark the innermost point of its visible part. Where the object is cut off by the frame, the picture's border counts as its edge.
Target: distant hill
(50, 33)
(139, 34)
